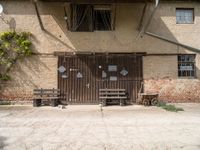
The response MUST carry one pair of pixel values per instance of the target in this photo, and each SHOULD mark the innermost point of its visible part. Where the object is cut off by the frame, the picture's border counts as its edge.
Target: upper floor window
(89, 17)
(102, 19)
(186, 65)
(184, 15)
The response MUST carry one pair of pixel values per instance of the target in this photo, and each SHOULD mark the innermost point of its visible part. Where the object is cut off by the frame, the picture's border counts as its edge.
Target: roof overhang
(114, 1)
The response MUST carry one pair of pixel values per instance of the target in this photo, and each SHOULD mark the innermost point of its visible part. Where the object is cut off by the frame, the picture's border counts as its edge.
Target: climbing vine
(13, 46)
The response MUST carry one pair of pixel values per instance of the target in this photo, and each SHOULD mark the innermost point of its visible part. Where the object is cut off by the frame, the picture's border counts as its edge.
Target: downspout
(173, 42)
(38, 14)
(161, 37)
(142, 17)
(150, 18)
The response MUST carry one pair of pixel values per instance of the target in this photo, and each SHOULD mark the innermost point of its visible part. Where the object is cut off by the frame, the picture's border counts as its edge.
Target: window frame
(192, 63)
(193, 16)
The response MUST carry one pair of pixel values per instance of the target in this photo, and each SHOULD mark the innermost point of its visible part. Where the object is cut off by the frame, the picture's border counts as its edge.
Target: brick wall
(160, 72)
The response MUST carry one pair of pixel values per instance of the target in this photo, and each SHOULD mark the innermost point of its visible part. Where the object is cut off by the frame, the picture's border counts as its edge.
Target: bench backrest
(46, 92)
(113, 92)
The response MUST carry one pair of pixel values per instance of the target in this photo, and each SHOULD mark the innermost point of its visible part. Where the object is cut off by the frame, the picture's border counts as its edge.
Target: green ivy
(13, 46)
(4, 77)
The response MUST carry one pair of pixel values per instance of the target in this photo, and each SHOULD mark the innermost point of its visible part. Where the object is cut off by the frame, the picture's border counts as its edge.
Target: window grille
(184, 16)
(186, 65)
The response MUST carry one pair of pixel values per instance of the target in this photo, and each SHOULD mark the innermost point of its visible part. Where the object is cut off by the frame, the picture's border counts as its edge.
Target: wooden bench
(51, 96)
(112, 94)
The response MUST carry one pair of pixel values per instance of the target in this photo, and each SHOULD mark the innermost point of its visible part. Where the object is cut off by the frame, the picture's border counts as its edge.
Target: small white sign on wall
(186, 68)
(61, 69)
(112, 68)
(113, 78)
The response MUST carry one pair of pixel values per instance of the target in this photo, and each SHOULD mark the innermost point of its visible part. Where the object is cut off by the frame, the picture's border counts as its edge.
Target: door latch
(88, 85)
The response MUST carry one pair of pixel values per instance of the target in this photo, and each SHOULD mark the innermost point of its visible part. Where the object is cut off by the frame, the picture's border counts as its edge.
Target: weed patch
(170, 107)
(5, 103)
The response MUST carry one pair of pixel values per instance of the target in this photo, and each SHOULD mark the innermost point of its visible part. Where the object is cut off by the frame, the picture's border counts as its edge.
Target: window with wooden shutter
(88, 18)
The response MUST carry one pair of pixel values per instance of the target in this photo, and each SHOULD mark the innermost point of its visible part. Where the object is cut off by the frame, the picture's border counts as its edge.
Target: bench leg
(122, 102)
(54, 102)
(37, 102)
(103, 102)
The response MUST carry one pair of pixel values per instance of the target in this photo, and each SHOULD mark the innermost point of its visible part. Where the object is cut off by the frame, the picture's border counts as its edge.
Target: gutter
(173, 42)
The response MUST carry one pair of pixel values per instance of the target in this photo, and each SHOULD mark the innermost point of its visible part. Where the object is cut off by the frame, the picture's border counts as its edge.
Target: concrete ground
(89, 128)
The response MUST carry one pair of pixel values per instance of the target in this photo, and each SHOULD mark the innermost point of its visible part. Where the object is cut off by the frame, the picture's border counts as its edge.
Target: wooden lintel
(162, 54)
(67, 54)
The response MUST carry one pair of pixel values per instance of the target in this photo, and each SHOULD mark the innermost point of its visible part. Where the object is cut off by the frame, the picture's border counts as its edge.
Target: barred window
(184, 15)
(186, 65)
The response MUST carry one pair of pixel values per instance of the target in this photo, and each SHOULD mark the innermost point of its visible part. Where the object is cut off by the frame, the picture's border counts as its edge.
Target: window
(81, 17)
(102, 20)
(186, 65)
(184, 16)
(90, 18)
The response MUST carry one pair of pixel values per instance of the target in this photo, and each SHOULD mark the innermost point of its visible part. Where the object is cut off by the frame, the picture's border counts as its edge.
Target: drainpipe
(38, 14)
(173, 42)
(150, 18)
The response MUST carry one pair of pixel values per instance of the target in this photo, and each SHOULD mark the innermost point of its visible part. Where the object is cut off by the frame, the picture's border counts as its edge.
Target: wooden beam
(68, 54)
(162, 54)
(99, 1)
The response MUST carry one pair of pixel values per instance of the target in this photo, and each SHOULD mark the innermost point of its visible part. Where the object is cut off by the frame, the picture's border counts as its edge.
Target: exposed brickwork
(16, 96)
(171, 90)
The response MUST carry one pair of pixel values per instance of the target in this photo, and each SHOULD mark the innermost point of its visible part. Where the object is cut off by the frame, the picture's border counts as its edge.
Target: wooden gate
(81, 77)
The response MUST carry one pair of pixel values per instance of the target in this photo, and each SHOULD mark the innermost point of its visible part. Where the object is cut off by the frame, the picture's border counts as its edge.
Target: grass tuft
(171, 108)
(5, 103)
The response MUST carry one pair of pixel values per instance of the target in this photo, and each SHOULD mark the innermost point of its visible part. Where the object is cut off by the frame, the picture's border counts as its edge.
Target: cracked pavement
(86, 127)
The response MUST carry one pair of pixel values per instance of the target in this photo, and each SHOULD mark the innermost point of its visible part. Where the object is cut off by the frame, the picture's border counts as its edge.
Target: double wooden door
(81, 77)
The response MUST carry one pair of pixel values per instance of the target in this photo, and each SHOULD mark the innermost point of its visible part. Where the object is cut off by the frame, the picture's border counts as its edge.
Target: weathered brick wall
(175, 90)
(161, 76)
(160, 72)
(28, 74)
